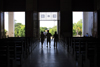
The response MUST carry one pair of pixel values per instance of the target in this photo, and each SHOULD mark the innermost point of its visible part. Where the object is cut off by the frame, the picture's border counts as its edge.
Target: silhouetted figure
(48, 38)
(42, 38)
(87, 35)
(55, 38)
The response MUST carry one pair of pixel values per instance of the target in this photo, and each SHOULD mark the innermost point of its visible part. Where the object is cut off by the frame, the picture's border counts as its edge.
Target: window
(54, 15)
(42, 16)
(48, 15)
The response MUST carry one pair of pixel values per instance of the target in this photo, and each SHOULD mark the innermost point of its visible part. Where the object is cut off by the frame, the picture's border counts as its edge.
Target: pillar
(58, 24)
(11, 24)
(2, 25)
(94, 24)
(87, 23)
(66, 18)
(1, 20)
(31, 19)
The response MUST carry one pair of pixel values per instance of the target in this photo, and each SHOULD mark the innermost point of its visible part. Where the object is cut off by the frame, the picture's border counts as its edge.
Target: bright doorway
(48, 21)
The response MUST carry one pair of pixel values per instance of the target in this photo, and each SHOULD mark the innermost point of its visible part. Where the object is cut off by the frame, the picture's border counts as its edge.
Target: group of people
(48, 35)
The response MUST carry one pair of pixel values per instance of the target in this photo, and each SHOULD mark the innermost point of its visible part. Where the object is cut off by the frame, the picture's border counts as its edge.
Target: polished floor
(49, 57)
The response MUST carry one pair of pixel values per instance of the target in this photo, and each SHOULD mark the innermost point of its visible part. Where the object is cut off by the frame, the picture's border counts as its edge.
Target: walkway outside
(48, 57)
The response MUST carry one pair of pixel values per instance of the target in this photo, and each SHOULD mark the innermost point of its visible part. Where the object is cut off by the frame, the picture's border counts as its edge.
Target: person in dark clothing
(55, 36)
(42, 38)
(48, 38)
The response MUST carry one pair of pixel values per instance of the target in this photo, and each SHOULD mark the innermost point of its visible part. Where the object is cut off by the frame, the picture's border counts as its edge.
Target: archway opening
(48, 21)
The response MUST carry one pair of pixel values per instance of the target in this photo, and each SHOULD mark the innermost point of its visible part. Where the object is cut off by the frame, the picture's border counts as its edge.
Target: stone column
(66, 18)
(11, 24)
(85, 23)
(1, 20)
(2, 25)
(31, 20)
(95, 24)
(28, 24)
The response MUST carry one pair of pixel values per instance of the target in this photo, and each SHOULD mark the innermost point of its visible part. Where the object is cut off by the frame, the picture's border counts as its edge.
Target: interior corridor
(49, 57)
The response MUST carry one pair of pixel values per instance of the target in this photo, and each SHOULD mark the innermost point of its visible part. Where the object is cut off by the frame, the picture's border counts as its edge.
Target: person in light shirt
(44, 34)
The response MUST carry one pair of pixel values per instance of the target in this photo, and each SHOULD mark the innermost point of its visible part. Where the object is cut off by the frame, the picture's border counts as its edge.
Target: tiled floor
(48, 57)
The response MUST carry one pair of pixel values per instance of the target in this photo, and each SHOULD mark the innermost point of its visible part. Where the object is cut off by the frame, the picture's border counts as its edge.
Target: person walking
(48, 38)
(55, 36)
(42, 38)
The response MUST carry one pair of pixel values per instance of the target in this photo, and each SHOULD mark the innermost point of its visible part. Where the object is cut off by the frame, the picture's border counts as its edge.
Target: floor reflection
(48, 57)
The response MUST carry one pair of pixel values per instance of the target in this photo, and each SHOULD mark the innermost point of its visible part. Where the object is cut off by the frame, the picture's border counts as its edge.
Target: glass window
(54, 15)
(48, 15)
(42, 16)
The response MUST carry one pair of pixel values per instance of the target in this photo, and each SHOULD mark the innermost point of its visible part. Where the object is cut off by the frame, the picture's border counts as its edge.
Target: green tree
(22, 31)
(74, 30)
(77, 28)
(5, 32)
(53, 29)
(18, 25)
(43, 29)
(19, 30)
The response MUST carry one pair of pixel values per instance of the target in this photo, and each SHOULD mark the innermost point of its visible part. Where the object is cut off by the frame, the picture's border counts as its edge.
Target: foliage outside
(51, 30)
(5, 32)
(19, 30)
(43, 29)
(77, 28)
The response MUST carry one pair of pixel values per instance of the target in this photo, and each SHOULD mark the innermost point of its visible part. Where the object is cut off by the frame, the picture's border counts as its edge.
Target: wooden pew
(27, 44)
(88, 57)
(17, 49)
(23, 40)
(4, 55)
(97, 53)
(75, 44)
(79, 45)
(5, 60)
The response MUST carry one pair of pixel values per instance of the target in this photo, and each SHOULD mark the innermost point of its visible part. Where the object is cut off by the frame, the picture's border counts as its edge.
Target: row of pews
(85, 50)
(14, 50)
